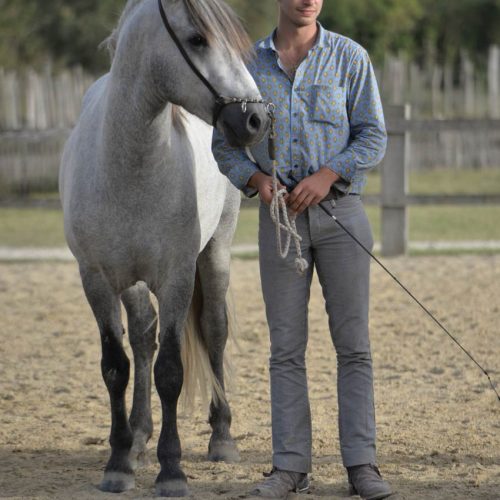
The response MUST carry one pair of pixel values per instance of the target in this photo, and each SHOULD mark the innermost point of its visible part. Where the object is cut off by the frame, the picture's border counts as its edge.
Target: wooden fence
(443, 91)
(31, 100)
(395, 199)
(29, 160)
(38, 111)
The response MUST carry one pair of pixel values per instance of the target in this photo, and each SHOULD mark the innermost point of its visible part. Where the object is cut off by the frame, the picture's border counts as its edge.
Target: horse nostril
(254, 123)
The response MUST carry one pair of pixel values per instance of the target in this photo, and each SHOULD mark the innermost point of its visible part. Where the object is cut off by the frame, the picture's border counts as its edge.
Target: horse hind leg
(115, 367)
(213, 269)
(142, 323)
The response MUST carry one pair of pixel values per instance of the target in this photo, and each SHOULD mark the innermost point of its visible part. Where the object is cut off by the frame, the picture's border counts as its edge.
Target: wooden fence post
(395, 182)
(494, 82)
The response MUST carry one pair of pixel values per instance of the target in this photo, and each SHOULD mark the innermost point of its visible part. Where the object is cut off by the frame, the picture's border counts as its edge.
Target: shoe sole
(303, 490)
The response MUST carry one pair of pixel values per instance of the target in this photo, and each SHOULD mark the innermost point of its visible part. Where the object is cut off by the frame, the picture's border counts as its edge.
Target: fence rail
(395, 198)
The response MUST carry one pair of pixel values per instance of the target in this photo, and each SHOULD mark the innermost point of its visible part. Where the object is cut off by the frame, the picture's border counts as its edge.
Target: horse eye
(198, 41)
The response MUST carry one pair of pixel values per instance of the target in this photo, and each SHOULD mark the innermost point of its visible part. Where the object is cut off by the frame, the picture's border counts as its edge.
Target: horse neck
(137, 125)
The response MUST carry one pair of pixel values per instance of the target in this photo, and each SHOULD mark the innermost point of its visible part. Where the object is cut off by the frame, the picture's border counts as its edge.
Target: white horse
(146, 209)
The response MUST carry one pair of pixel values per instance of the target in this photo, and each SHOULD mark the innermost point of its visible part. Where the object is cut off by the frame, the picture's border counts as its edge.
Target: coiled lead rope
(278, 209)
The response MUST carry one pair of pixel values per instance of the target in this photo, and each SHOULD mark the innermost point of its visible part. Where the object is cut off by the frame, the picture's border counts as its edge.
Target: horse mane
(214, 19)
(218, 23)
(111, 41)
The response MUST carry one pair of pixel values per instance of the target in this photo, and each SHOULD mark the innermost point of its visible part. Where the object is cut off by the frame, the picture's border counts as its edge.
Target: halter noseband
(220, 100)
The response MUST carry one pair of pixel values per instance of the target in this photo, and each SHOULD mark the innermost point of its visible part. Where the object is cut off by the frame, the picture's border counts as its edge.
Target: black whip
(329, 212)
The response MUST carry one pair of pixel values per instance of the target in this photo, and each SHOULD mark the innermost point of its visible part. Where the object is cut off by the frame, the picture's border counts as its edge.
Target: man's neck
(295, 38)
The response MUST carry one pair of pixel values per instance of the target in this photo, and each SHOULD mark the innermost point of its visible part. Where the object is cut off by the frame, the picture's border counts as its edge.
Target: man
(330, 132)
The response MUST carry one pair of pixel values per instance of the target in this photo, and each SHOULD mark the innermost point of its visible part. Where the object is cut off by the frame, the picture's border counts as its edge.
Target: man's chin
(302, 22)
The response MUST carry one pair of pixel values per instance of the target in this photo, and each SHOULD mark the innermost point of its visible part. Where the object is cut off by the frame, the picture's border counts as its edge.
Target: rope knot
(285, 222)
(301, 265)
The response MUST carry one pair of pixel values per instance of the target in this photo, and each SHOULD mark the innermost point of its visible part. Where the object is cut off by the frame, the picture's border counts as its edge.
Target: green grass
(247, 229)
(446, 181)
(27, 227)
(444, 223)
(43, 227)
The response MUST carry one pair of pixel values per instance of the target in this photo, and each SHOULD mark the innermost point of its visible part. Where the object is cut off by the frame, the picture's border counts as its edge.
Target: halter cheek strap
(182, 50)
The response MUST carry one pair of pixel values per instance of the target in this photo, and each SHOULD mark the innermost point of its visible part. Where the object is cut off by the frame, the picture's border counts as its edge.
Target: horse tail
(198, 373)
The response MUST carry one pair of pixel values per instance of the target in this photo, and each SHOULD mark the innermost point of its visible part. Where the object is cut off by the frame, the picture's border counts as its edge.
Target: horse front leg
(213, 269)
(115, 368)
(142, 322)
(174, 300)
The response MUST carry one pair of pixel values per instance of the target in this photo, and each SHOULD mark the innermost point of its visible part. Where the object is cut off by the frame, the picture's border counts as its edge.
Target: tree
(379, 25)
(448, 27)
(68, 32)
(258, 16)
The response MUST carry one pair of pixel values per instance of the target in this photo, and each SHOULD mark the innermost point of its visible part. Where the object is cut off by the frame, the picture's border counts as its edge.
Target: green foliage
(259, 17)
(447, 27)
(66, 32)
(69, 31)
(378, 25)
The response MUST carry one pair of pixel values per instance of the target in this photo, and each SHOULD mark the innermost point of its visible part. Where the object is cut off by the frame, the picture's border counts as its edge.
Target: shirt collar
(268, 42)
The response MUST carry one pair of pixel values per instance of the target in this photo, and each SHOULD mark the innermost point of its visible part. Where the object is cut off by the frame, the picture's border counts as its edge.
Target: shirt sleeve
(234, 163)
(368, 136)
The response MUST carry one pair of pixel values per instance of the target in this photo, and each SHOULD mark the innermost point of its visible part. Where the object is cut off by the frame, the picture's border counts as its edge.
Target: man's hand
(264, 184)
(311, 190)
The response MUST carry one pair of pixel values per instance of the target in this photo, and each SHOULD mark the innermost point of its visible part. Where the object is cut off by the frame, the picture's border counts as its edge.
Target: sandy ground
(438, 421)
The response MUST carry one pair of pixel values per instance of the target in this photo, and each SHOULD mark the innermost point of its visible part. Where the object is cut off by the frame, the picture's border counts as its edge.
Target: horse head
(195, 53)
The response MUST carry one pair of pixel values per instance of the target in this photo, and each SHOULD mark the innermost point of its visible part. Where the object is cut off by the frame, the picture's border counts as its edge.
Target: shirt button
(295, 167)
(295, 140)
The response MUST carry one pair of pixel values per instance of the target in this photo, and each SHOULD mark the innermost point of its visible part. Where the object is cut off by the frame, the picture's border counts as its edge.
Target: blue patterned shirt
(330, 115)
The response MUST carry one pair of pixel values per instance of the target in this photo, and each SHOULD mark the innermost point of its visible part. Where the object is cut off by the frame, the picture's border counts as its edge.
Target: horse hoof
(172, 488)
(224, 451)
(117, 482)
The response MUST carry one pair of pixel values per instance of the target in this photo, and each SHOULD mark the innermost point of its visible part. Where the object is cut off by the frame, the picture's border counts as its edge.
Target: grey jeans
(343, 269)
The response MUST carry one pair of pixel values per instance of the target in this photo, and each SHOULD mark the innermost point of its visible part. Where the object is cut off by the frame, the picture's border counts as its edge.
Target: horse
(146, 210)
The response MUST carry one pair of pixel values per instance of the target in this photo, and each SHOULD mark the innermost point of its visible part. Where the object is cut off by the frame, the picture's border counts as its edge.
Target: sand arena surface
(438, 421)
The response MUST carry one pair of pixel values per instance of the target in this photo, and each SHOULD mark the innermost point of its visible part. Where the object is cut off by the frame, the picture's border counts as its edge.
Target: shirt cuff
(344, 165)
(241, 176)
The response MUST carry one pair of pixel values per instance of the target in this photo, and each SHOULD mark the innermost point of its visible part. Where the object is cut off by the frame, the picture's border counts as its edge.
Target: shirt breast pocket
(328, 105)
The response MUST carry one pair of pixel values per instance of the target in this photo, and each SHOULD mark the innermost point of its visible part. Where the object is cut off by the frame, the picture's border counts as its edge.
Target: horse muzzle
(243, 124)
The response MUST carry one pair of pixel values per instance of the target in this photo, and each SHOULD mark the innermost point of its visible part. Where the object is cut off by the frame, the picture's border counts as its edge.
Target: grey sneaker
(366, 481)
(279, 483)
